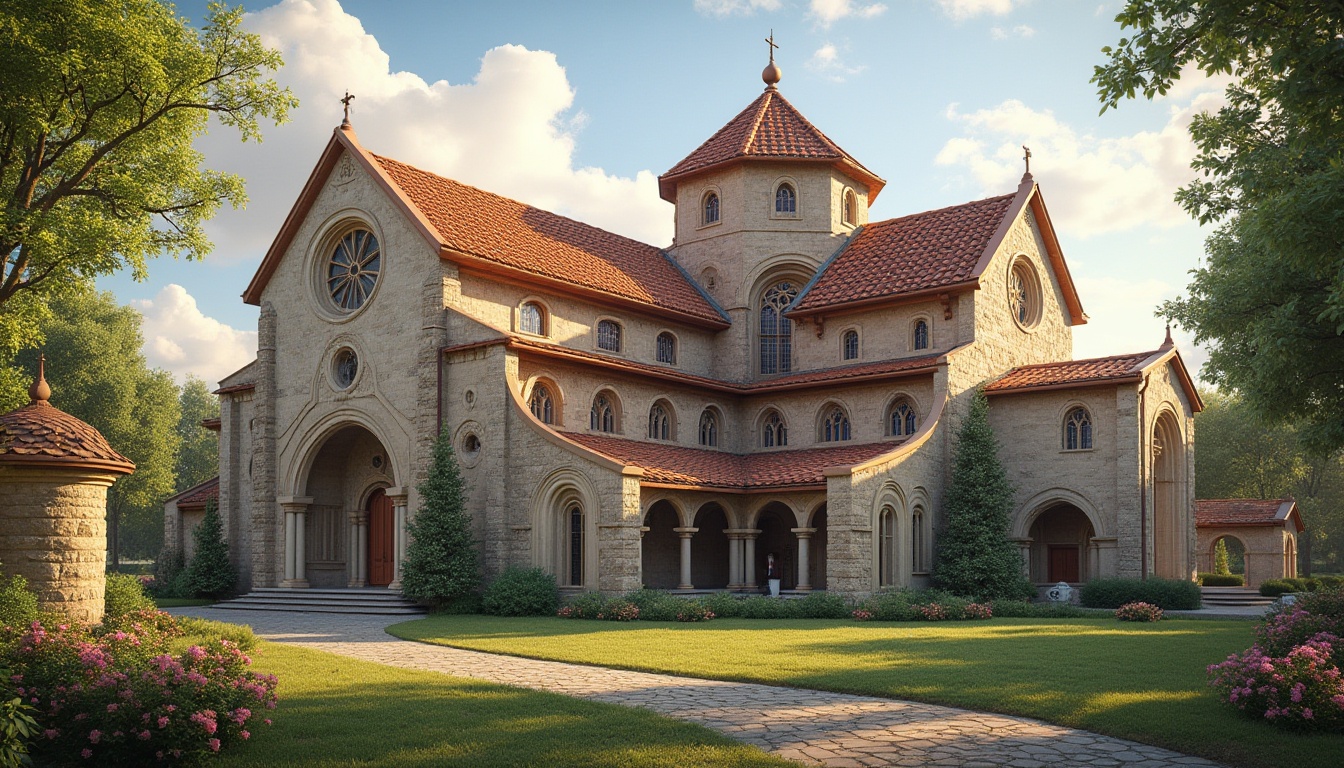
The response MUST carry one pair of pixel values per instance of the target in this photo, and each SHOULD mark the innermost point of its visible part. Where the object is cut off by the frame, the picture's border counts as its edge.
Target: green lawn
(336, 711)
(1139, 681)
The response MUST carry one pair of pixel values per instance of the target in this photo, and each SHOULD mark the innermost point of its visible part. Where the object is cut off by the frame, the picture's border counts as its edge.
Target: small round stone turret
(54, 474)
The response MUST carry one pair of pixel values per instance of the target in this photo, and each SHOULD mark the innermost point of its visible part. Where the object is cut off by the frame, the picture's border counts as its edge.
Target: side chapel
(787, 377)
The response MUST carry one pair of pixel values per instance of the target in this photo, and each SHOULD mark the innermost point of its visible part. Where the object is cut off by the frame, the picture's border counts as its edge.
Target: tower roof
(770, 128)
(40, 434)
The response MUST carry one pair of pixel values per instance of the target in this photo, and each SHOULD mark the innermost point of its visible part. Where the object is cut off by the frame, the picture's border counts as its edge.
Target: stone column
(1108, 565)
(296, 560)
(359, 548)
(686, 534)
(1024, 550)
(398, 497)
(804, 553)
(749, 567)
(734, 559)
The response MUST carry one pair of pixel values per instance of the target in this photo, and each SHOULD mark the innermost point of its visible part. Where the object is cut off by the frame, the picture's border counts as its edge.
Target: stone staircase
(1240, 597)
(375, 601)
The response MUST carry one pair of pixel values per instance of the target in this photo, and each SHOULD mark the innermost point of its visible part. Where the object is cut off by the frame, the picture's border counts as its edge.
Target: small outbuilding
(183, 513)
(1265, 531)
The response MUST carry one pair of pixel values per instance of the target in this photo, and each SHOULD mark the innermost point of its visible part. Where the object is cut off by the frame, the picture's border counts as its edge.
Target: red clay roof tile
(1235, 512)
(1094, 370)
(911, 254)
(511, 234)
(197, 496)
(700, 467)
(40, 433)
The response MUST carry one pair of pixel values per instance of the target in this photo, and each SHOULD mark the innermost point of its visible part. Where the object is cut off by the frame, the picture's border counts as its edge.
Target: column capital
(358, 517)
(294, 503)
(397, 493)
(686, 533)
(803, 533)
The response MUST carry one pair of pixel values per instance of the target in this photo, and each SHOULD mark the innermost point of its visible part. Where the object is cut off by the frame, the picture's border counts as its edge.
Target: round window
(352, 269)
(1024, 294)
(345, 367)
(471, 445)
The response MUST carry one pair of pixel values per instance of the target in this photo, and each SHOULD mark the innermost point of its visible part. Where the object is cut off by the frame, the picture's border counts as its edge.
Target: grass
(1144, 682)
(336, 711)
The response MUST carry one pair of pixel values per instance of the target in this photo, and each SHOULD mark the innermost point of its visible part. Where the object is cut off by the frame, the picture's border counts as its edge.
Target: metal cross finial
(773, 45)
(1027, 157)
(346, 101)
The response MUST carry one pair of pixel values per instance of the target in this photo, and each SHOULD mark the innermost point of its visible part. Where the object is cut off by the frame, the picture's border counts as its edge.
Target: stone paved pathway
(812, 727)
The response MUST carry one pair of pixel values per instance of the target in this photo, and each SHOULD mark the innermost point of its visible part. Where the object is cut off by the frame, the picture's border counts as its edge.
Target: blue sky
(577, 107)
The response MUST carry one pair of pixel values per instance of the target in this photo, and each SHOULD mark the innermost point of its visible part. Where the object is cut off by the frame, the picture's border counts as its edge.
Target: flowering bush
(978, 611)
(1301, 690)
(1138, 611)
(933, 612)
(1281, 632)
(862, 615)
(118, 697)
(619, 610)
(694, 612)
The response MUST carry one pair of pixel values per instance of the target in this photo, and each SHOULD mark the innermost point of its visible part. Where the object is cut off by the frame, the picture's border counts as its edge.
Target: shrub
(440, 566)
(724, 605)
(1167, 594)
(18, 606)
(1220, 565)
(170, 575)
(823, 605)
(585, 606)
(1138, 612)
(210, 573)
(522, 592)
(654, 605)
(205, 631)
(1221, 580)
(694, 611)
(978, 611)
(125, 594)
(1012, 608)
(1276, 587)
(761, 607)
(1302, 690)
(619, 610)
(17, 727)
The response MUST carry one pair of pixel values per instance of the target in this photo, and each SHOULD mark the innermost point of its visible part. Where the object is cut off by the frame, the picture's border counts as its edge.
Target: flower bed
(1138, 611)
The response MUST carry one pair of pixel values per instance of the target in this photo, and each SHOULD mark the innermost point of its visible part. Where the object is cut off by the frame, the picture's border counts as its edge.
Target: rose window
(352, 270)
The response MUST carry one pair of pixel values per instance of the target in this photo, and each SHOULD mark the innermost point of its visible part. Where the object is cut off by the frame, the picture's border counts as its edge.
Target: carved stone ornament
(345, 172)
(1060, 593)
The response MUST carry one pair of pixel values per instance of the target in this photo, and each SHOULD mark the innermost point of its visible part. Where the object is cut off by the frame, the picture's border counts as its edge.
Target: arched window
(711, 209)
(850, 344)
(902, 420)
(532, 318)
(918, 544)
(777, 330)
(667, 348)
(709, 428)
(603, 417)
(887, 573)
(786, 200)
(574, 544)
(1078, 430)
(851, 208)
(542, 404)
(609, 335)
(836, 426)
(1024, 293)
(774, 432)
(660, 422)
(921, 334)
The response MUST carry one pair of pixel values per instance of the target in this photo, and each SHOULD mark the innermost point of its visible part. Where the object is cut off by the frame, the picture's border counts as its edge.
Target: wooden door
(1064, 564)
(381, 539)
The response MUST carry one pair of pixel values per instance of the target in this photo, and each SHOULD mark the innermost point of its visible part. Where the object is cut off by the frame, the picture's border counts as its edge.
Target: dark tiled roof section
(515, 235)
(920, 252)
(678, 465)
(246, 387)
(1216, 512)
(42, 433)
(770, 127)
(1097, 369)
(197, 497)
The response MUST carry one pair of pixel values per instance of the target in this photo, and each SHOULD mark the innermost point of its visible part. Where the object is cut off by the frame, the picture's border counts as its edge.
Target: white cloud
(966, 9)
(827, 12)
(1093, 184)
(182, 340)
(1021, 30)
(723, 8)
(510, 130)
(826, 62)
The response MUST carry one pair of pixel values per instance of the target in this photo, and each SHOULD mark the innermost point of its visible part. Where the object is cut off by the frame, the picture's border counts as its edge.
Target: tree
(99, 106)
(440, 566)
(210, 574)
(1269, 300)
(1220, 564)
(975, 558)
(198, 454)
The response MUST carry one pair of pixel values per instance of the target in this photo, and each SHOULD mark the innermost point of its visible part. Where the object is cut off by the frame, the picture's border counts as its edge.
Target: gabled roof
(770, 128)
(678, 466)
(197, 496)
(1232, 513)
(931, 253)
(511, 240)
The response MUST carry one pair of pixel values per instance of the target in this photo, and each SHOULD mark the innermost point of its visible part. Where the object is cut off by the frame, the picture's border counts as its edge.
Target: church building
(787, 378)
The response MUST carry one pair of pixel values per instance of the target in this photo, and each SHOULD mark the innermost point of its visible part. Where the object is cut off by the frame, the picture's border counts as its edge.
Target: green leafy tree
(99, 106)
(441, 566)
(975, 558)
(210, 574)
(1220, 564)
(1269, 300)
(198, 454)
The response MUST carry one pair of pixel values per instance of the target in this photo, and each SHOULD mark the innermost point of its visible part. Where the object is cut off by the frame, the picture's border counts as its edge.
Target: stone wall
(1269, 551)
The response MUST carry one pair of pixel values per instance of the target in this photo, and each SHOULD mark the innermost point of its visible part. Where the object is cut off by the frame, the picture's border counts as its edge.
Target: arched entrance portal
(709, 549)
(1061, 546)
(1236, 554)
(661, 547)
(776, 523)
(1169, 542)
(330, 541)
(382, 547)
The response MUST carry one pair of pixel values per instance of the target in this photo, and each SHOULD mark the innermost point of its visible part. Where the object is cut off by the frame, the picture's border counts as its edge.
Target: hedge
(1167, 594)
(1221, 580)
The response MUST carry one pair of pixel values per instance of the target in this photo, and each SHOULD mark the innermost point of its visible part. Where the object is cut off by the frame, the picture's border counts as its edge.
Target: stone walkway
(813, 727)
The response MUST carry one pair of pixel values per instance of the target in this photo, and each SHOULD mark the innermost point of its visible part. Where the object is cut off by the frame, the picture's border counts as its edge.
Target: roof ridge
(756, 121)
(954, 206)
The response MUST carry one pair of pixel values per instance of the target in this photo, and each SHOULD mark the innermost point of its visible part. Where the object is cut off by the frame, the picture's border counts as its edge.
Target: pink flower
(95, 735)
(245, 735)
(86, 753)
(163, 721)
(51, 733)
(214, 745)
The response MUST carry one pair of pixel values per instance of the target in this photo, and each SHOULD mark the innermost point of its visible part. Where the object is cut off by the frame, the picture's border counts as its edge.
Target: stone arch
(709, 547)
(1169, 509)
(773, 273)
(618, 421)
(776, 519)
(660, 547)
(890, 566)
(315, 437)
(1236, 556)
(1031, 508)
(662, 426)
(557, 395)
(551, 502)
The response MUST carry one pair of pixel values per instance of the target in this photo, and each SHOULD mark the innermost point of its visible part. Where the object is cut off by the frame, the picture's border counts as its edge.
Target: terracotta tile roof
(769, 128)
(802, 379)
(508, 233)
(915, 253)
(214, 424)
(678, 465)
(1070, 372)
(1212, 513)
(197, 496)
(40, 433)
(246, 387)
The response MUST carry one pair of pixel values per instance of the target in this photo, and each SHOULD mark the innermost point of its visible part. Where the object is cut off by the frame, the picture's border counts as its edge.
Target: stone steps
(376, 601)
(1234, 596)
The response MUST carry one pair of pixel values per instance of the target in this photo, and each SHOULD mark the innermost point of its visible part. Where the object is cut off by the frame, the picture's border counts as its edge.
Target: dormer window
(786, 200)
(850, 208)
(710, 214)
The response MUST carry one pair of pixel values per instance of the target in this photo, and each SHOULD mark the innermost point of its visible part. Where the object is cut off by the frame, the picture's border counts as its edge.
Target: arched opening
(1236, 554)
(888, 547)
(709, 549)
(1061, 546)
(1169, 543)
(660, 548)
(350, 462)
(1290, 557)
(776, 523)
(816, 561)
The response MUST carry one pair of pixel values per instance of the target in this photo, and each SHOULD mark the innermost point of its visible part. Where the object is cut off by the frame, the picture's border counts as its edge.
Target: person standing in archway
(772, 573)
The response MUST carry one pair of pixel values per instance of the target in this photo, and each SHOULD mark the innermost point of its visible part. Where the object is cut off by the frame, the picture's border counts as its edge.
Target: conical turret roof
(40, 434)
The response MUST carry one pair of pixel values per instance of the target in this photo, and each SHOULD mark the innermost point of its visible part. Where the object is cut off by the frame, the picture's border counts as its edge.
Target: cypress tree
(210, 574)
(975, 558)
(1220, 564)
(440, 566)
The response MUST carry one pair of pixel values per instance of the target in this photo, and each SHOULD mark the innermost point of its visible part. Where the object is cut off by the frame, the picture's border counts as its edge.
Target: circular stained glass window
(352, 270)
(345, 368)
